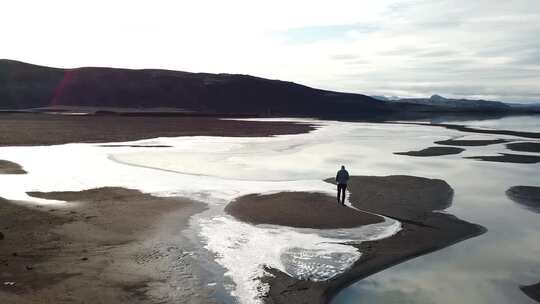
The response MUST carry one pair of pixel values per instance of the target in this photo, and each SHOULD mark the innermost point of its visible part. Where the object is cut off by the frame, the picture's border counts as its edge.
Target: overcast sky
(456, 48)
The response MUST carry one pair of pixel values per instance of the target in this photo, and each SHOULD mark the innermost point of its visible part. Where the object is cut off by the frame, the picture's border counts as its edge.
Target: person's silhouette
(342, 177)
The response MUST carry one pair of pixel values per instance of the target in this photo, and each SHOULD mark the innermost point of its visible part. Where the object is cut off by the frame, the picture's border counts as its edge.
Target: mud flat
(526, 196)
(298, 209)
(463, 128)
(409, 199)
(525, 147)
(433, 151)
(43, 129)
(533, 291)
(109, 245)
(509, 158)
(7, 167)
(471, 142)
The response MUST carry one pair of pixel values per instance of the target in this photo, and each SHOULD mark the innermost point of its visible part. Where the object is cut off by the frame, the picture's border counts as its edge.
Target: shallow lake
(215, 170)
(486, 269)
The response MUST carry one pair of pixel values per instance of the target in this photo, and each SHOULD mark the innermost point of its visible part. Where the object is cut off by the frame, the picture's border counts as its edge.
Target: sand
(525, 147)
(433, 151)
(399, 196)
(298, 209)
(117, 245)
(411, 199)
(533, 291)
(45, 129)
(7, 167)
(508, 158)
(463, 128)
(112, 245)
(527, 196)
(136, 146)
(471, 143)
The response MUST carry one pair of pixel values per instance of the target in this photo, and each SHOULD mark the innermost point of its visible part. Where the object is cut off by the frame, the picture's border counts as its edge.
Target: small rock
(1, 236)
(14, 254)
(84, 259)
(28, 267)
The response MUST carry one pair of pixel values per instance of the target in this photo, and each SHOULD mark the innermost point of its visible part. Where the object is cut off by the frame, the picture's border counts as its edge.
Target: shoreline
(532, 147)
(508, 158)
(298, 209)
(532, 291)
(471, 142)
(432, 151)
(46, 130)
(377, 265)
(423, 231)
(526, 196)
(464, 128)
(8, 167)
(112, 245)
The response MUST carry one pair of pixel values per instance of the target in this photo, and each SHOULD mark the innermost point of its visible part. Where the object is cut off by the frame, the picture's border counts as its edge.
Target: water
(528, 123)
(486, 269)
(215, 170)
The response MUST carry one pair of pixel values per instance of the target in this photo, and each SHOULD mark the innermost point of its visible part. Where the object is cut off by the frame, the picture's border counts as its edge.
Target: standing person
(342, 177)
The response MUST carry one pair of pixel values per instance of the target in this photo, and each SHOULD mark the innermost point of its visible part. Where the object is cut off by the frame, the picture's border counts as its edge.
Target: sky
(456, 48)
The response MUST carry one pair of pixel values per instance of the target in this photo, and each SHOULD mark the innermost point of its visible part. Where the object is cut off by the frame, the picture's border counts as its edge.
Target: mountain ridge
(28, 86)
(438, 100)
(31, 86)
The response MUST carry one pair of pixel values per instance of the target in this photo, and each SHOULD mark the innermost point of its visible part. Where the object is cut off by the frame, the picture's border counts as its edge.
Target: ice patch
(245, 250)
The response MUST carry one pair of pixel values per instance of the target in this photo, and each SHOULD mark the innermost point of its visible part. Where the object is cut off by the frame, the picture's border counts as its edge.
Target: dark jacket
(342, 176)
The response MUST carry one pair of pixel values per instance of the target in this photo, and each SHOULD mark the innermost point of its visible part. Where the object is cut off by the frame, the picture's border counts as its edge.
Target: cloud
(330, 32)
(410, 48)
(439, 53)
(344, 57)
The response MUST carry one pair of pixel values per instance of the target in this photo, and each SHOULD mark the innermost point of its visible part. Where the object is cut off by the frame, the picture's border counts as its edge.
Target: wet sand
(464, 128)
(527, 196)
(525, 147)
(471, 143)
(109, 249)
(533, 291)
(409, 199)
(136, 146)
(509, 158)
(111, 245)
(298, 209)
(45, 129)
(7, 167)
(433, 151)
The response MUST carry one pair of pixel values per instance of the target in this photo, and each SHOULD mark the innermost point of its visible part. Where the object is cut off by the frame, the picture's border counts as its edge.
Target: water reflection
(525, 123)
(486, 269)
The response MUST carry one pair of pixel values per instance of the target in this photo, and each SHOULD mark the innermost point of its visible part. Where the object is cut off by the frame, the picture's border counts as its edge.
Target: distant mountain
(24, 86)
(385, 98)
(458, 104)
(27, 86)
(525, 106)
(463, 105)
